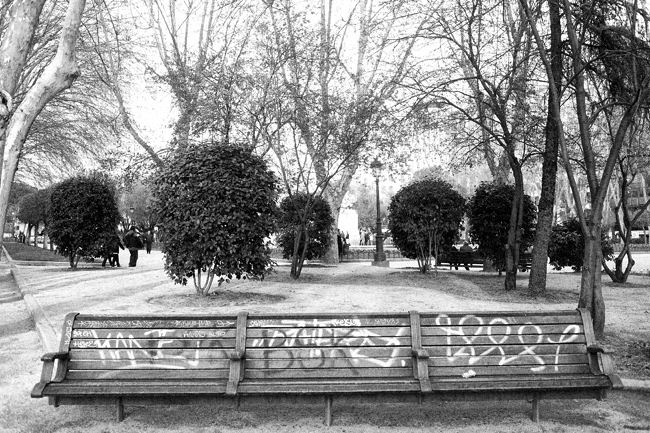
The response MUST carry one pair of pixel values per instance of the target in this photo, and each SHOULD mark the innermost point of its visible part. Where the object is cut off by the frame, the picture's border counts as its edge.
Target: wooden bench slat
(478, 350)
(508, 369)
(301, 363)
(327, 342)
(485, 340)
(498, 329)
(153, 388)
(144, 374)
(519, 359)
(521, 384)
(135, 344)
(463, 318)
(329, 352)
(330, 373)
(161, 333)
(164, 363)
(306, 332)
(325, 388)
(88, 354)
(329, 321)
(117, 322)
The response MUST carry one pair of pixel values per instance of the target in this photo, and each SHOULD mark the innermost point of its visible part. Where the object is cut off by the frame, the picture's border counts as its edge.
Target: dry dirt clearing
(347, 288)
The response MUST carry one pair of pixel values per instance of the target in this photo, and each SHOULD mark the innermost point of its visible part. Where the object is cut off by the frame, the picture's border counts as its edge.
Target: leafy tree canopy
(311, 221)
(425, 217)
(488, 213)
(215, 208)
(82, 211)
(567, 246)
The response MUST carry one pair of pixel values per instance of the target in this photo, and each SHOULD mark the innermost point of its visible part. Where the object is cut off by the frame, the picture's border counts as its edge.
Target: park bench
(456, 259)
(134, 361)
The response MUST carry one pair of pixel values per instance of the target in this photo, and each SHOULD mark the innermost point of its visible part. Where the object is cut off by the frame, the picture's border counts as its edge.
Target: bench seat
(429, 356)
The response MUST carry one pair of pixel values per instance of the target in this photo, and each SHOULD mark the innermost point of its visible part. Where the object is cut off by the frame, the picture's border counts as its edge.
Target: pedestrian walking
(133, 242)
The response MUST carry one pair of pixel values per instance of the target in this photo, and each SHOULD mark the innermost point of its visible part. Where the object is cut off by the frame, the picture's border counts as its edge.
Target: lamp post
(380, 256)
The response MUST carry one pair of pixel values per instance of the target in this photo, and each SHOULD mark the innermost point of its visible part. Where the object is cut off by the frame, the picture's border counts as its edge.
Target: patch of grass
(24, 252)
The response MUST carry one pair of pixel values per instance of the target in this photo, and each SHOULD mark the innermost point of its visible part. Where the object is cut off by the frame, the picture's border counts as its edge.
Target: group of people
(133, 241)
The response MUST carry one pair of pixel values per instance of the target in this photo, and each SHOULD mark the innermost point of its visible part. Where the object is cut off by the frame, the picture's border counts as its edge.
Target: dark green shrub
(215, 208)
(82, 210)
(425, 217)
(567, 246)
(311, 219)
(488, 212)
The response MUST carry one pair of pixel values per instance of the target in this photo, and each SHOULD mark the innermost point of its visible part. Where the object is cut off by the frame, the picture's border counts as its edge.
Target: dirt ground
(347, 288)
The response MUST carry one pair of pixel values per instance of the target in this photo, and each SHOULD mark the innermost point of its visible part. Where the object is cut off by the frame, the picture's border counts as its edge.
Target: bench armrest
(595, 349)
(49, 357)
(420, 353)
(48, 368)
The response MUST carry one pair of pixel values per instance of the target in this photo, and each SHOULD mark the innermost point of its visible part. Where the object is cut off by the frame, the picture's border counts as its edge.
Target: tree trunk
(537, 281)
(57, 76)
(591, 294)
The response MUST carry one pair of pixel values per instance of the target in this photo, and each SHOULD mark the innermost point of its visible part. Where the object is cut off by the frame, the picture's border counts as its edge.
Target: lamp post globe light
(380, 256)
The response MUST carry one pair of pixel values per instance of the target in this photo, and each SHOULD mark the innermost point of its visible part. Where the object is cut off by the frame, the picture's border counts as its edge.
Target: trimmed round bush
(425, 217)
(488, 213)
(82, 211)
(215, 208)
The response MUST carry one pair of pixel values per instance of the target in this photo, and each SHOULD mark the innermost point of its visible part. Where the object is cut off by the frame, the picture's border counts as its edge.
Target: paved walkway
(50, 292)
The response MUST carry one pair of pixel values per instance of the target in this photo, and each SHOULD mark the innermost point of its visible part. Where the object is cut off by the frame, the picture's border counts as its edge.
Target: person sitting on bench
(467, 250)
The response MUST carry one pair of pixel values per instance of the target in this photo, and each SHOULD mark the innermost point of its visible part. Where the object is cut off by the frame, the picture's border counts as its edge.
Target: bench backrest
(507, 343)
(166, 347)
(329, 346)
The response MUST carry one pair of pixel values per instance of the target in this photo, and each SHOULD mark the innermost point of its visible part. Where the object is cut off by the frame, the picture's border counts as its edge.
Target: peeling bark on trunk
(57, 76)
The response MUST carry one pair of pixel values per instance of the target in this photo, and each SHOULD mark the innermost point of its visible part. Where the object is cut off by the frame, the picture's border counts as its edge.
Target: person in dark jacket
(115, 244)
(148, 241)
(133, 242)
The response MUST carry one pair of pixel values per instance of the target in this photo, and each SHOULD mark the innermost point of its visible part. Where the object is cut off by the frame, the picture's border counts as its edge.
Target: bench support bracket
(535, 414)
(119, 406)
(328, 410)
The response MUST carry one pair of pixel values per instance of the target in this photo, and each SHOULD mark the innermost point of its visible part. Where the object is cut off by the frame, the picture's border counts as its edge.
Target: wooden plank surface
(510, 317)
(329, 352)
(483, 340)
(156, 353)
(327, 363)
(519, 359)
(327, 342)
(189, 333)
(532, 370)
(153, 322)
(501, 329)
(328, 320)
(330, 332)
(328, 373)
(146, 374)
(133, 343)
(151, 363)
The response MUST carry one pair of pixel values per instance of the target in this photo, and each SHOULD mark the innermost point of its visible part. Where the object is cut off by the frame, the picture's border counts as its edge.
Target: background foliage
(567, 246)
(317, 223)
(488, 213)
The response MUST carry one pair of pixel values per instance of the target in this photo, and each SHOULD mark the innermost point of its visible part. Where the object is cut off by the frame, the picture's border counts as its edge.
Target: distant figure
(366, 237)
(21, 237)
(115, 244)
(454, 261)
(468, 254)
(339, 243)
(133, 242)
(148, 241)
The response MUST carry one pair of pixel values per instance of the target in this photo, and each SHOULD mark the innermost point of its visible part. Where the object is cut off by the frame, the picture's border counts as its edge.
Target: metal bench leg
(120, 409)
(535, 415)
(328, 410)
